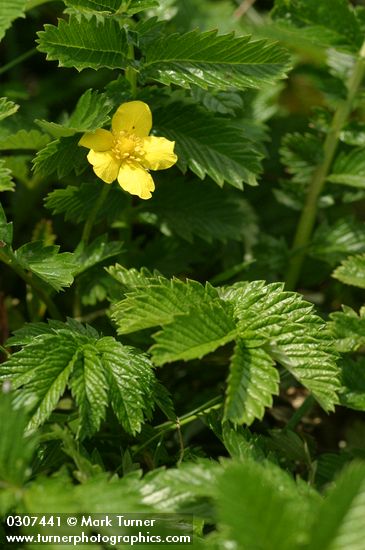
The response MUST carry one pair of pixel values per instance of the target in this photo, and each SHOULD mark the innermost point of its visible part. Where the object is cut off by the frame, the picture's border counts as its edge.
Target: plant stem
(309, 212)
(9, 259)
(307, 404)
(91, 218)
(18, 60)
(211, 405)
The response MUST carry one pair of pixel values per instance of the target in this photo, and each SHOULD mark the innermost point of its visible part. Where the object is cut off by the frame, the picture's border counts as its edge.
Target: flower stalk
(309, 212)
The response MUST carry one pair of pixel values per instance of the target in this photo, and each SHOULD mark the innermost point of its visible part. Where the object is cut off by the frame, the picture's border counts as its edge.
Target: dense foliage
(201, 351)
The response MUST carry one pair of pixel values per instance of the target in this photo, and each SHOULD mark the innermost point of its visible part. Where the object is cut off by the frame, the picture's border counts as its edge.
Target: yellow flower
(127, 153)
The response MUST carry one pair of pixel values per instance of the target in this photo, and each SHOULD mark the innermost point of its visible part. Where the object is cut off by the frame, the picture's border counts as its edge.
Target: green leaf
(334, 243)
(301, 154)
(9, 11)
(62, 156)
(157, 302)
(91, 113)
(24, 139)
(96, 252)
(265, 500)
(190, 209)
(251, 383)
(55, 269)
(352, 271)
(353, 382)
(180, 489)
(16, 450)
(349, 169)
(85, 42)
(42, 370)
(294, 335)
(89, 388)
(75, 202)
(112, 7)
(205, 328)
(339, 522)
(131, 381)
(7, 107)
(131, 278)
(97, 370)
(328, 22)
(6, 229)
(6, 180)
(348, 329)
(225, 103)
(209, 145)
(206, 59)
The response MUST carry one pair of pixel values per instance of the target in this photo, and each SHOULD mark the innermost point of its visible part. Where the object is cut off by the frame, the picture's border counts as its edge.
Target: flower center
(127, 147)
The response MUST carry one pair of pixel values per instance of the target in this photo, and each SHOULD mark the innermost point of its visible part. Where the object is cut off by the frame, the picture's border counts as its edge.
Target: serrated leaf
(6, 180)
(96, 252)
(112, 7)
(349, 169)
(158, 303)
(131, 278)
(75, 202)
(56, 269)
(62, 156)
(97, 370)
(7, 107)
(334, 243)
(91, 113)
(131, 381)
(348, 329)
(352, 271)
(209, 145)
(339, 522)
(9, 11)
(24, 139)
(190, 209)
(301, 154)
(84, 42)
(295, 336)
(16, 450)
(42, 370)
(89, 388)
(204, 329)
(252, 381)
(265, 499)
(328, 465)
(6, 229)
(207, 59)
(226, 103)
(328, 23)
(353, 382)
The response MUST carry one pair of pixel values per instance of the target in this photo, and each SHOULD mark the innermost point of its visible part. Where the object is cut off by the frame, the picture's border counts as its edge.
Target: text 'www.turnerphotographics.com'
(112, 529)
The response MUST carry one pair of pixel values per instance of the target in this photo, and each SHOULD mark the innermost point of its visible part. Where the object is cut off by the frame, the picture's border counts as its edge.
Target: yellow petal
(100, 140)
(136, 180)
(133, 117)
(105, 165)
(158, 153)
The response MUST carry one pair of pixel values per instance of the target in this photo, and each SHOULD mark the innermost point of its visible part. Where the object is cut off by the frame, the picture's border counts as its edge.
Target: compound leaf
(295, 336)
